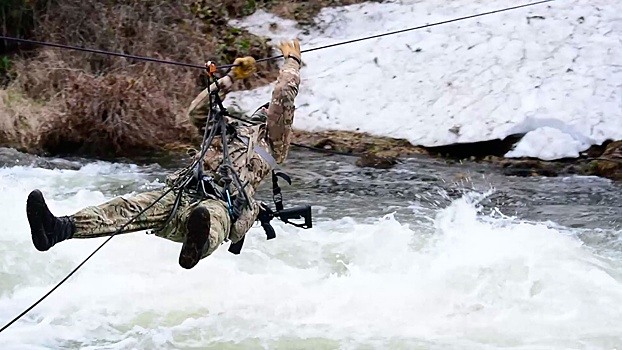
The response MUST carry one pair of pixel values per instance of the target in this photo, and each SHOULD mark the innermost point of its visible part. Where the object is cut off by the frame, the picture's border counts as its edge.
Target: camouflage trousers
(104, 219)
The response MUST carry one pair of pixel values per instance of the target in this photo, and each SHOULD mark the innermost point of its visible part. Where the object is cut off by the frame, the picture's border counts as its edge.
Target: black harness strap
(194, 182)
(276, 190)
(236, 247)
(266, 214)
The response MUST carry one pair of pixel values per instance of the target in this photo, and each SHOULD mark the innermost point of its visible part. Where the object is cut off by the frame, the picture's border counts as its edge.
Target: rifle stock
(296, 213)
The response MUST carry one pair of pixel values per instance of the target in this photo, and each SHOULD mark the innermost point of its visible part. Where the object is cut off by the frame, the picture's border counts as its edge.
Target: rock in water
(10, 157)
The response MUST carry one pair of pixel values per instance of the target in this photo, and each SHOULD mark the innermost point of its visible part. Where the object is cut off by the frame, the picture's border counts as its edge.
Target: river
(426, 255)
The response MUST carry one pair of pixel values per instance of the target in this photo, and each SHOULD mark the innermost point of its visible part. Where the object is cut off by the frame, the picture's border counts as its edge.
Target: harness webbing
(193, 180)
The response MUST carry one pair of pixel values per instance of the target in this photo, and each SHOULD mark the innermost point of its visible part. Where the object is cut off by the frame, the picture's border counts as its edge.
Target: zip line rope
(413, 28)
(85, 260)
(190, 65)
(101, 52)
(197, 66)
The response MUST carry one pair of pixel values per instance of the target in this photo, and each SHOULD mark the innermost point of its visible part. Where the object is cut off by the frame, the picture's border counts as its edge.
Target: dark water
(336, 183)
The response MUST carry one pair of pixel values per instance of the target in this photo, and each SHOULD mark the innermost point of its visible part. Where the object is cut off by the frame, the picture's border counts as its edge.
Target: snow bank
(557, 65)
(548, 143)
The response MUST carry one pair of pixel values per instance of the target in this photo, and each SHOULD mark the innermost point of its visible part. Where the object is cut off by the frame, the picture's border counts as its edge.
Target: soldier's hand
(245, 67)
(289, 49)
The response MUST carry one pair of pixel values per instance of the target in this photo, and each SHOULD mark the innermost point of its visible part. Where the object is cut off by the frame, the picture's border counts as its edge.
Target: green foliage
(5, 64)
(238, 43)
(249, 8)
(217, 12)
(5, 70)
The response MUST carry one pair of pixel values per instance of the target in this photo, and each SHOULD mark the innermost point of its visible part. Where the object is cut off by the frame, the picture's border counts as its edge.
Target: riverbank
(25, 128)
(381, 152)
(378, 152)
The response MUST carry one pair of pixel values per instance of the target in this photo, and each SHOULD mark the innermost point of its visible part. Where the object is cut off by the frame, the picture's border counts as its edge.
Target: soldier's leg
(220, 224)
(97, 221)
(202, 227)
(104, 219)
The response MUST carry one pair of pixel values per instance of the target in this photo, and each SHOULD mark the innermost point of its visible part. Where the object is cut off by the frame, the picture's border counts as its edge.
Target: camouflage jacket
(273, 136)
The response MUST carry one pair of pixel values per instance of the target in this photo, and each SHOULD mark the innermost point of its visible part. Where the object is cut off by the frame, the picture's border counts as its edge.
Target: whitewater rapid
(456, 277)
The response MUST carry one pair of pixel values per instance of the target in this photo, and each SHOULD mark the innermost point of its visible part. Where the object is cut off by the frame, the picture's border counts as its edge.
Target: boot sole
(35, 211)
(196, 238)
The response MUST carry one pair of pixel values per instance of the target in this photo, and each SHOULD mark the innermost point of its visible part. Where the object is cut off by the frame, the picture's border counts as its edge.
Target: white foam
(474, 80)
(478, 281)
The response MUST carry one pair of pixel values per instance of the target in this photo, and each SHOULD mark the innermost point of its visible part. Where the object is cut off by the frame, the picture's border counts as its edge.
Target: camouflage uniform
(273, 136)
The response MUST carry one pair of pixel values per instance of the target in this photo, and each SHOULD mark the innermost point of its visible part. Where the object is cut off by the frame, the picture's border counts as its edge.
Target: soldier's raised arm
(199, 108)
(282, 107)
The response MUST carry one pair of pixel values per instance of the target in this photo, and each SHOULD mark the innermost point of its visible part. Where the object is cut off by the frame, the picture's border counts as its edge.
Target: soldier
(203, 225)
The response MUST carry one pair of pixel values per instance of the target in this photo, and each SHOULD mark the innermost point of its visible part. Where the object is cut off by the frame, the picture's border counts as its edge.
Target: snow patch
(555, 65)
(547, 144)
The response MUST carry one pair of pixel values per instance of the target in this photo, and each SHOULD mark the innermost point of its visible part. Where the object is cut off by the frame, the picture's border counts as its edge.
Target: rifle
(266, 215)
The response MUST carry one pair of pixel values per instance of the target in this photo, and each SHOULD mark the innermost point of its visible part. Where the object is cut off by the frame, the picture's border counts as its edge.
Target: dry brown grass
(106, 106)
(166, 29)
(114, 115)
(19, 121)
(124, 113)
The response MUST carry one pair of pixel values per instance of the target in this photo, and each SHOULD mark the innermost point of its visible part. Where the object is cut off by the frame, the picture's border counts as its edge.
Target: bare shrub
(113, 116)
(44, 76)
(110, 106)
(167, 29)
(19, 120)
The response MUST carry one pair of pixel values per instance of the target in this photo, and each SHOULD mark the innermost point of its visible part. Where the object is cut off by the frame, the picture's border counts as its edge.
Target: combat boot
(196, 242)
(45, 228)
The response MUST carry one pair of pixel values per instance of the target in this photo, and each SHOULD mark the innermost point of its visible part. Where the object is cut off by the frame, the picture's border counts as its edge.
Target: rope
(226, 66)
(411, 29)
(116, 232)
(102, 52)
(83, 262)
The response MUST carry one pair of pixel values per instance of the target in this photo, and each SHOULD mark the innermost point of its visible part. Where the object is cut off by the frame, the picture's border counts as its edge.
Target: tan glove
(245, 67)
(290, 49)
